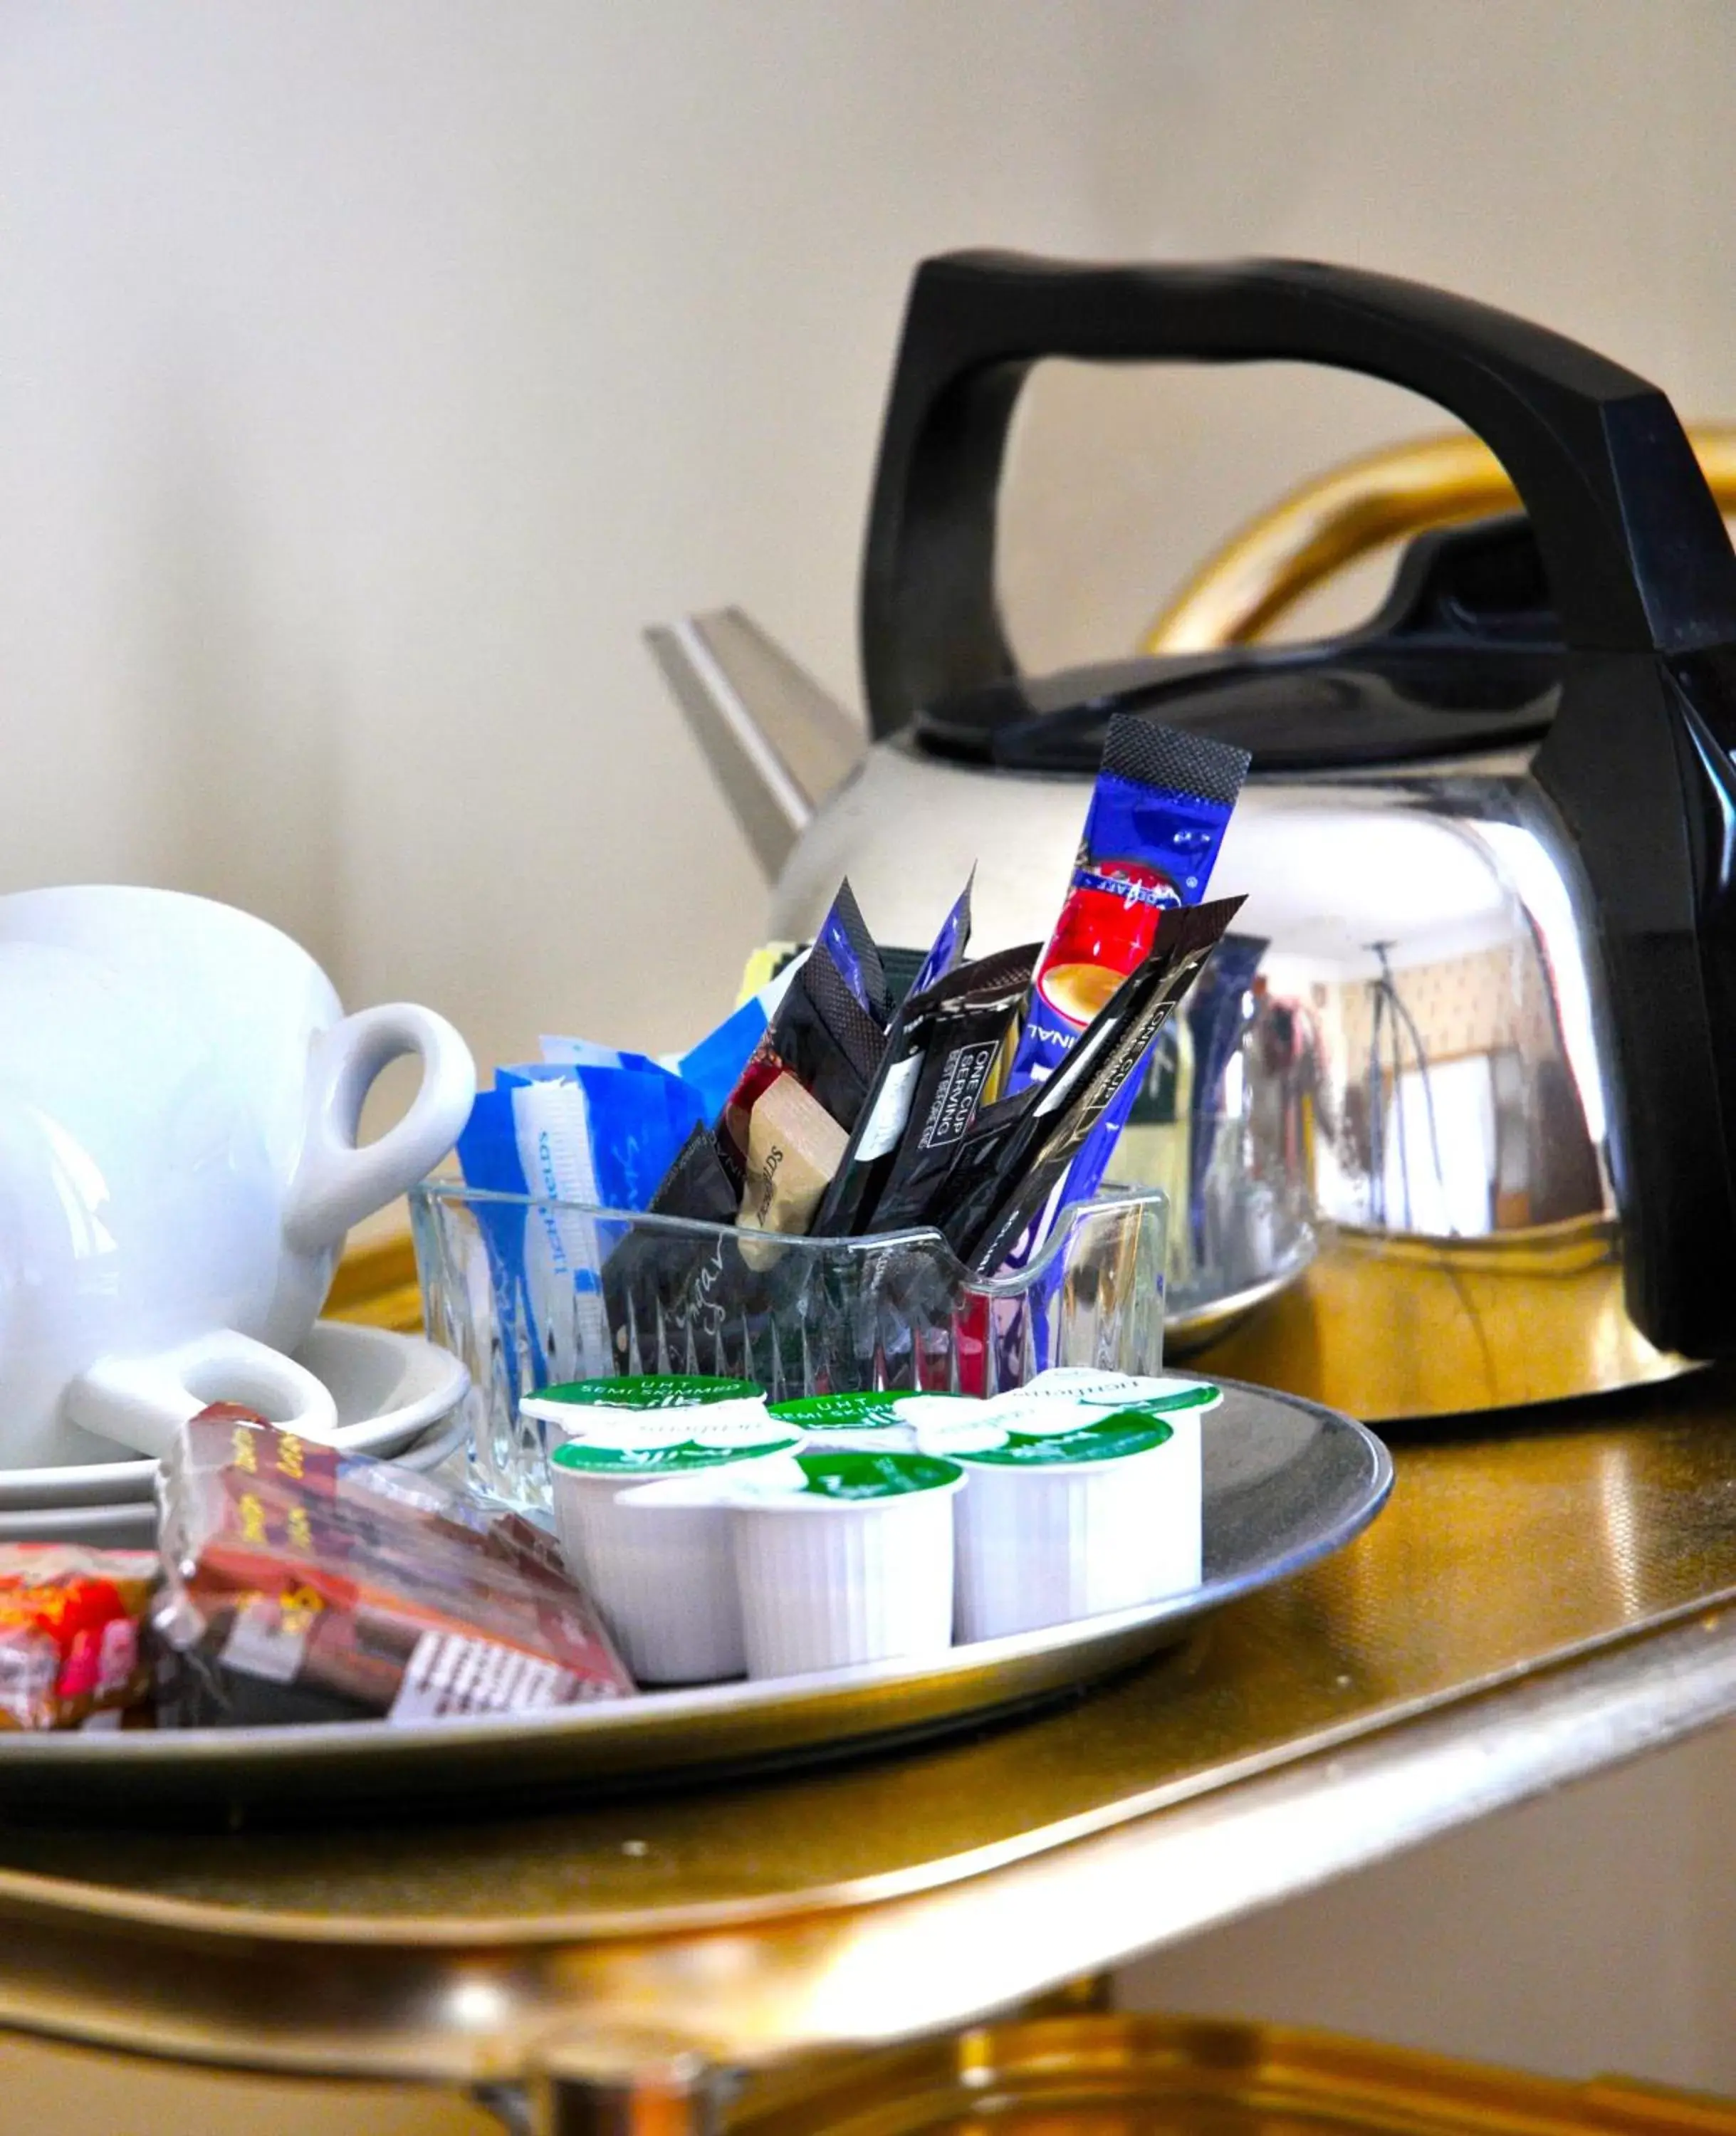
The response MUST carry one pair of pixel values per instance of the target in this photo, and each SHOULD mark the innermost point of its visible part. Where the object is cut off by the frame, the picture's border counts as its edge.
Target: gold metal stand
(1268, 565)
(1531, 1608)
(1160, 2076)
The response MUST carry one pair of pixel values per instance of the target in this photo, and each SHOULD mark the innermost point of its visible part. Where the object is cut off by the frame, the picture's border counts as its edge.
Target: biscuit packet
(302, 1583)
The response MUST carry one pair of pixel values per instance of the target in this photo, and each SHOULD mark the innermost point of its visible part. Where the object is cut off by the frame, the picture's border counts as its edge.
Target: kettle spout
(778, 743)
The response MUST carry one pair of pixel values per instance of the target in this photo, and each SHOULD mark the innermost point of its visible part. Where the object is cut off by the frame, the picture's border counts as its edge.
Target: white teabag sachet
(562, 1251)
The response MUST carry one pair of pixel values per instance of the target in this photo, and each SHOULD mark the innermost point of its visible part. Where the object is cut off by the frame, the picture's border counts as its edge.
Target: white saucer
(387, 1387)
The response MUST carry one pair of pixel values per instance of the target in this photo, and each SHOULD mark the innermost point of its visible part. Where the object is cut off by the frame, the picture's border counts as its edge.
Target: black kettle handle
(1635, 549)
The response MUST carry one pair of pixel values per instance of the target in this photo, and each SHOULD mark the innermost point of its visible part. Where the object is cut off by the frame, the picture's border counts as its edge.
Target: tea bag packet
(794, 1148)
(910, 971)
(849, 1203)
(1014, 1156)
(826, 1038)
(828, 1031)
(945, 950)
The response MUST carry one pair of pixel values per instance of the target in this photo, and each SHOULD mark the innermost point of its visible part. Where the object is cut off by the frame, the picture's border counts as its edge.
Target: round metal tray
(1285, 1482)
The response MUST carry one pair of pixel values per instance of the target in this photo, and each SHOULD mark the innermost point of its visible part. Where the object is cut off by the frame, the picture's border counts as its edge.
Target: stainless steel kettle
(1457, 1110)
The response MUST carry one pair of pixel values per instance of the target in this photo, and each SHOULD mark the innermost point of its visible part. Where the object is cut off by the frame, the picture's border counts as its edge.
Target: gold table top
(1534, 1605)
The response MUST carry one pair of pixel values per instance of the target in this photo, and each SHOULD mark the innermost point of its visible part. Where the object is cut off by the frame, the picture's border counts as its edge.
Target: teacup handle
(142, 1402)
(337, 1183)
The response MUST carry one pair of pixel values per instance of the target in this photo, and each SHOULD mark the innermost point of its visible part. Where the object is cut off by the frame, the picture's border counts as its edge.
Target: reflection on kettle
(1450, 1124)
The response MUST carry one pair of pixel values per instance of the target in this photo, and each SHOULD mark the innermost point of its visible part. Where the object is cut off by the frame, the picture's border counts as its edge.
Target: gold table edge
(20, 1889)
(484, 2012)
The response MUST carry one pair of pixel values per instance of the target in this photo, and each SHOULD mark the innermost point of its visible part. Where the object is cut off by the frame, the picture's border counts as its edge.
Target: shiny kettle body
(1448, 1136)
(1455, 1129)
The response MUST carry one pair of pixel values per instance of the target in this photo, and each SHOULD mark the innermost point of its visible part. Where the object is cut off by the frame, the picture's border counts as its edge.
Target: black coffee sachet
(952, 1036)
(1016, 1154)
(826, 1039)
(844, 936)
(652, 1271)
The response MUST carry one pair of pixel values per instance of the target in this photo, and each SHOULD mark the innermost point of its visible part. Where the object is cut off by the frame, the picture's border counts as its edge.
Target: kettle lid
(1464, 656)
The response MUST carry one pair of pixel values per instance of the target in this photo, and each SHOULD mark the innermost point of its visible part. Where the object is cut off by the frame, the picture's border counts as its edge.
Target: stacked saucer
(398, 1398)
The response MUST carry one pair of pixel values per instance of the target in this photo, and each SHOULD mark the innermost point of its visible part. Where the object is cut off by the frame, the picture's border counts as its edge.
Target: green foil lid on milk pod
(587, 1409)
(1096, 1389)
(703, 1447)
(852, 1478)
(893, 1417)
(1118, 1436)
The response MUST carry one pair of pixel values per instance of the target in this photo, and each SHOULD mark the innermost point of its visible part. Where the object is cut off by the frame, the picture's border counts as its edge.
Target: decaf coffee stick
(829, 1029)
(1018, 1152)
(952, 1041)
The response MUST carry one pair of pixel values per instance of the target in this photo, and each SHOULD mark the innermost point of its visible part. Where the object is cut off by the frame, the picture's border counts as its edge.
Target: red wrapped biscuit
(71, 1650)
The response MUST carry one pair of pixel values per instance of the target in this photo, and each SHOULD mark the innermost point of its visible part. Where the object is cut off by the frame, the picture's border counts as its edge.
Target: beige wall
(369, 374)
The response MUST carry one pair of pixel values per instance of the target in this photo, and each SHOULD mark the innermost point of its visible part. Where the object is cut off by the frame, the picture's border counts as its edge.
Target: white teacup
(180, 1094)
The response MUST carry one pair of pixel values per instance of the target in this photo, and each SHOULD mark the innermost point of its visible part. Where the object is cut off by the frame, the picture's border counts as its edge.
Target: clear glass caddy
(529, 1293)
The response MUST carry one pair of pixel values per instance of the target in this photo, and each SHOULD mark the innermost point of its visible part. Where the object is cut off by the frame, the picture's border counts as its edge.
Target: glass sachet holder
(530, 1292)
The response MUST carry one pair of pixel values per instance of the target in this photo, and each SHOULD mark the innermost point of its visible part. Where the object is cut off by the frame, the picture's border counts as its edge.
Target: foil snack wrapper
(1159, 810)
(72, 1648)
